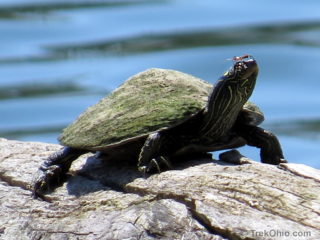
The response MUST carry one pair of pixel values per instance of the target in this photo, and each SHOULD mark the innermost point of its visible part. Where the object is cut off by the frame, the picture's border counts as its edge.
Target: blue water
(59, 57)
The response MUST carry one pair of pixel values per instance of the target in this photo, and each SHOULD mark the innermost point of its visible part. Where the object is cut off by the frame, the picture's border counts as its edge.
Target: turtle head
(241, 77)
(244, 68)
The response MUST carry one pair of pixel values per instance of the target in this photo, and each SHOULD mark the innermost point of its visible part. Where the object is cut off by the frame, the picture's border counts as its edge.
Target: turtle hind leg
(54, 169)
(270, 148)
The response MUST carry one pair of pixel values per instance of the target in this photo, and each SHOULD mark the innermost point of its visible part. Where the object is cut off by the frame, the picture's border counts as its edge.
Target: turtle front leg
(52, 171)
(270, 148)
(150, 156)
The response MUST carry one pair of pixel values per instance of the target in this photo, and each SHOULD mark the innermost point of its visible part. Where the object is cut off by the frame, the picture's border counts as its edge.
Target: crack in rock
(12, 181)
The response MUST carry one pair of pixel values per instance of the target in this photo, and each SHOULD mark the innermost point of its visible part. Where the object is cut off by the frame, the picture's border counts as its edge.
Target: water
(59, 57)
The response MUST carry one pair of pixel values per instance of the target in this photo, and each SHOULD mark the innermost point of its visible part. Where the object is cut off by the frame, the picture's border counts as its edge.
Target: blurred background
(59, 57)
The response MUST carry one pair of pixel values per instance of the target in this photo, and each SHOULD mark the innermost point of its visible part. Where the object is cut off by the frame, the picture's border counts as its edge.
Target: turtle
(160, 114)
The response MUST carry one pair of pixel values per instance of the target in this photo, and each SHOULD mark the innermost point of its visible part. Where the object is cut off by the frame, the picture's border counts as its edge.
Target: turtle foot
(273, 159)
(156, 164)
(235, 157)
(46, 179)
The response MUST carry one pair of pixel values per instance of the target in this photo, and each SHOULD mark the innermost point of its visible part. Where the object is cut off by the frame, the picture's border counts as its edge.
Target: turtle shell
(150, 101)
(147, 102)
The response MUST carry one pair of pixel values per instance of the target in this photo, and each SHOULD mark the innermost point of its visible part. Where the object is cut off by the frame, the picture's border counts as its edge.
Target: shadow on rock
(100, 174)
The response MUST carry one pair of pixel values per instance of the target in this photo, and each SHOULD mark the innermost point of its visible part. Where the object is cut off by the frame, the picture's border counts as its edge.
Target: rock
(203, 199)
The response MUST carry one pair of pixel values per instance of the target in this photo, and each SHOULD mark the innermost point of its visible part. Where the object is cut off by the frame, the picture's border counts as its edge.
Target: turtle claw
(46, 179)
(282, 160)
(143, 170)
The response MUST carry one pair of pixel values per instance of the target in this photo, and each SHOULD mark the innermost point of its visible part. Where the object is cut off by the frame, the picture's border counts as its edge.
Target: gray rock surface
(204, 199)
